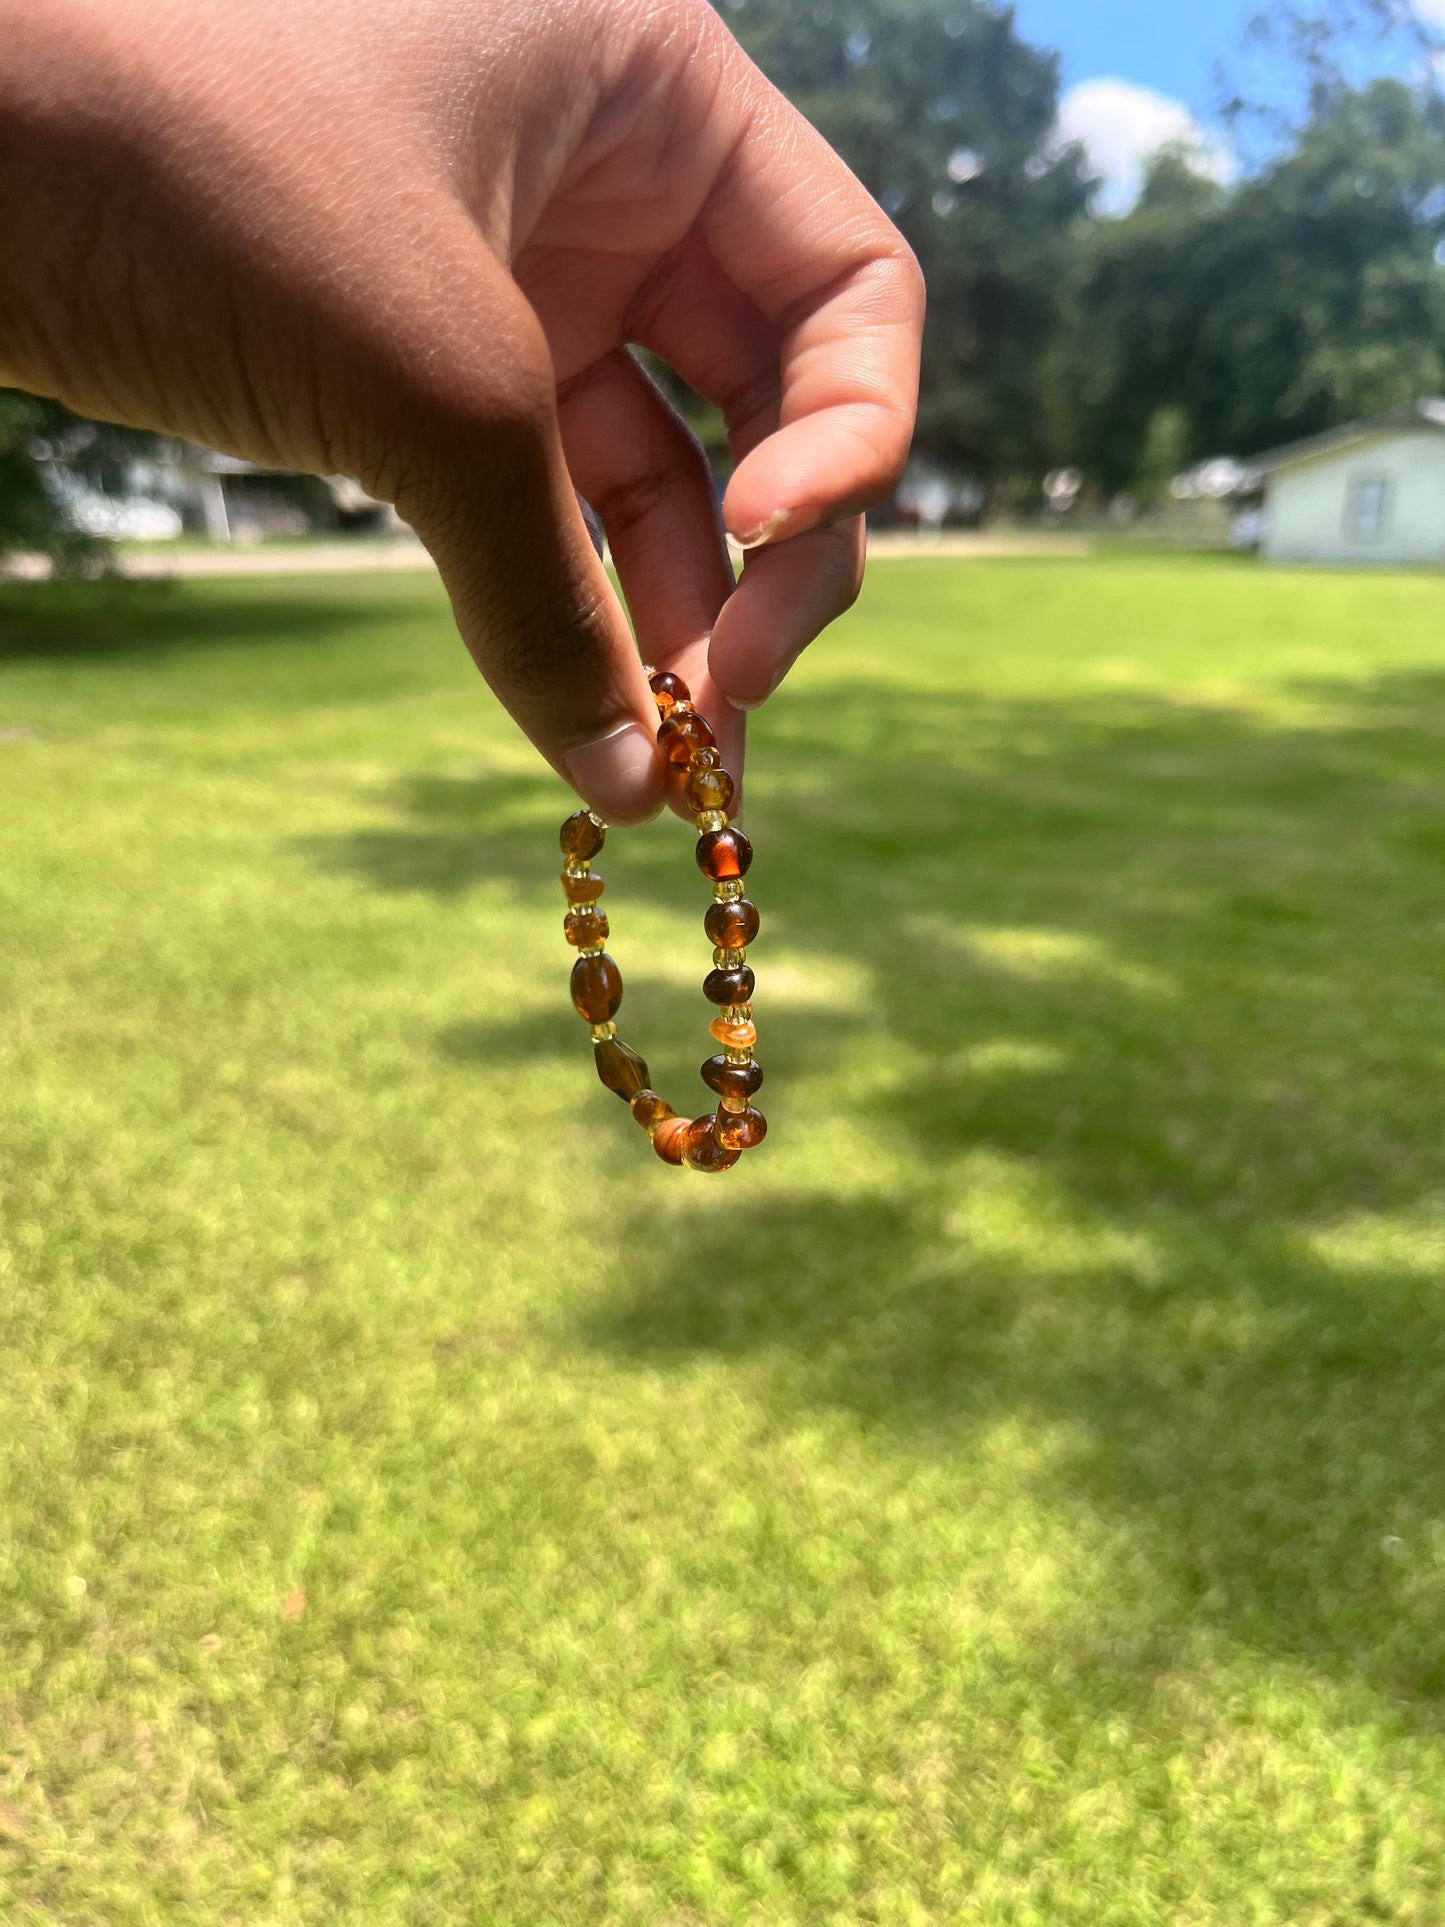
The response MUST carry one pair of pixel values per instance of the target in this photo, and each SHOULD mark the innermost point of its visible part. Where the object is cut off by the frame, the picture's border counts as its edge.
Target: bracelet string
(716, 1140)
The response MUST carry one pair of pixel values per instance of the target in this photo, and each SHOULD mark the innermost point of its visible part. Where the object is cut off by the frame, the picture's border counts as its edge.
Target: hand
(410, 240)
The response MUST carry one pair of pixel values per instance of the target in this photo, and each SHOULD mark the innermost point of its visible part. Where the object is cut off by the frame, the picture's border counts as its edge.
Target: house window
(1366, 499)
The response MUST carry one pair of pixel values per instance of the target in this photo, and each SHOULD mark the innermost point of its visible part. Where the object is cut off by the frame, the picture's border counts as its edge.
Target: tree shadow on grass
(1163, 988)
(78, 621)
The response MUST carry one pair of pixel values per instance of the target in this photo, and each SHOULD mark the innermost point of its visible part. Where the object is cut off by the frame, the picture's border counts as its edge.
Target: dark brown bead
(741, 1130)
(648, 1108)
(584, 928)
(732, 925)
(669, 1139)
(681, 737)
(620, 1068)
(732, 1080)
(668, 690)
(582, 836)
(710, 789)
(703, 1152)
(596, 988)
(583, 889)
(722, 854)
(727, 987)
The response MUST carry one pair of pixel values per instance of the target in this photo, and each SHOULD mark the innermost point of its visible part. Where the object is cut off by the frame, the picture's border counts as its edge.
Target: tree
(947, 117)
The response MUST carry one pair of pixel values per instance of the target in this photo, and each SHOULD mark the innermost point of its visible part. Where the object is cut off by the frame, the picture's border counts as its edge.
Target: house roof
(1429, 413)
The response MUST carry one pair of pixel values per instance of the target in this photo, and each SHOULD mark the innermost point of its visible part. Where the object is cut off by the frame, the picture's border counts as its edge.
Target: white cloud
(1122, 126)
(1431, 10)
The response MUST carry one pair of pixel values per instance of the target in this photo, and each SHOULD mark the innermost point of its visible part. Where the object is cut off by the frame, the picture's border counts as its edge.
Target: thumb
(493, 502)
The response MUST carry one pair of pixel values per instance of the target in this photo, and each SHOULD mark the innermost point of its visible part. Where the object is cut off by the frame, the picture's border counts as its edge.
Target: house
(1372, 492)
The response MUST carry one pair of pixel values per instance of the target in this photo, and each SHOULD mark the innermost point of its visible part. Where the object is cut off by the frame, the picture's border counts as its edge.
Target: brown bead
(681, 737)
(583, 889)
(732, 925)
(709, 789)
(741, 1130)
(669, 1139)
(582, 836)
(727, 987)
(733, 1036)
(703, 1152)
(649, 1109)
(584, 928)
(620, 1068)
(731, 1080)
(723, 854)
(667, 690)
(596, 988)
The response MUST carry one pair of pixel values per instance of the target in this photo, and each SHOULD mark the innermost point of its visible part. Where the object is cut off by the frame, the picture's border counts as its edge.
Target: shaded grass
(1017, 1495)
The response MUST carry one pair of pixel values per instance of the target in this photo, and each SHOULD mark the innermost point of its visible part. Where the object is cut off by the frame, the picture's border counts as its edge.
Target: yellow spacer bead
(594, 950)
(739, 1013)
(729, 959)
(738, 1056)
(708, 820)
(603, 1033)
(729, 889)
(706, 759)
(731, 1101)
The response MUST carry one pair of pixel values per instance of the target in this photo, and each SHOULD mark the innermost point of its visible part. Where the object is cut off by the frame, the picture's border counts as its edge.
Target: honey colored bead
(669, 1139)
(585, 928)
(667, 690)
(680, 738)
(709, 789)
(649, 1109)
(596, 988)
(621, 1069)
(732, 925)
(582, 836)
(728, 987)
(702, 1151)
(582, 889)
(739, 1037)
(724, 855)
(732, 1080)
(741, 1130)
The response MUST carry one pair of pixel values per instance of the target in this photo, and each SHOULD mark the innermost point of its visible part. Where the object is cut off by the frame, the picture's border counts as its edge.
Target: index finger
(798, 234)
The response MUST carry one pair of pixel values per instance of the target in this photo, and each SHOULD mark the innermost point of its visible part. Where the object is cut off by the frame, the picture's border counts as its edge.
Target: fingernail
(618, 774)
(768, 531)
(747, 703)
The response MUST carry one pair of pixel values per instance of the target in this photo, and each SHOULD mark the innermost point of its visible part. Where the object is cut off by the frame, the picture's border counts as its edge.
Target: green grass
(1016, 1496)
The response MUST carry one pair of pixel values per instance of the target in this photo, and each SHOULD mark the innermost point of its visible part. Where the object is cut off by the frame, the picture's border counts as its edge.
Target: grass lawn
(1016, 1495)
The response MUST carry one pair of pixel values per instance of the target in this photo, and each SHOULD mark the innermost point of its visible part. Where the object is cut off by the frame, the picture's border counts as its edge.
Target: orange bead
(649, 1109)
(724, 854)
(681, 737)
(596, 988)
(584, 928)
(582, 836)
(741, 1130)
(583, 889)
(702, 1151)
(669, 1139)
(734, 1036)
(667, 691)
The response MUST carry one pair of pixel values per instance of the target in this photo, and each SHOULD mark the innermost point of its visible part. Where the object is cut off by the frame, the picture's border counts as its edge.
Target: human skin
(410, 241)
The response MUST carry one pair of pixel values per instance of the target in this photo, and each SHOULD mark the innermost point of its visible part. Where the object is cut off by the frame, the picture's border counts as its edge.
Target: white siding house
(1372, 492)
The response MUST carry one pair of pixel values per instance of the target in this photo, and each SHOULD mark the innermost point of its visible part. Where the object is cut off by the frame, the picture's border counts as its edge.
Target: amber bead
(732, 925)
(733, 1036)
(741, 1130)
(649, 1109)
(621, 1069)
(584, 928)
(709, 789)
(681, 737)
(596, 988)
(667, 690)
(669, 1139)
(702, 1151)
(724, 854)
(582, 836)
(732, 1080)
(582, 889)
(727, 987)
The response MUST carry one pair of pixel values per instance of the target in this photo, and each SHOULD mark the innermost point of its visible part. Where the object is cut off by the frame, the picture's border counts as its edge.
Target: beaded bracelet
(716, 1141)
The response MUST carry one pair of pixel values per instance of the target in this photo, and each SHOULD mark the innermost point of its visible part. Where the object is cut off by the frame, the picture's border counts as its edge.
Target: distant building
(1373, 492)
